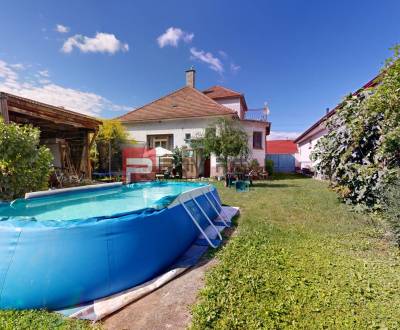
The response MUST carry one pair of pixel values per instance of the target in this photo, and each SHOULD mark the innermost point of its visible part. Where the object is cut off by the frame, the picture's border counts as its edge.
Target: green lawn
(300, 259)
(24, 320)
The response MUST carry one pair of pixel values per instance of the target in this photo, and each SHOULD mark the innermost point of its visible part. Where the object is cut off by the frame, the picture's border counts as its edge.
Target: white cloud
(46, 91)
(44, 73)
(44, 81)
(101, 43)
(62, 28)
(9, 76)
(18, 66)
(172, 36)
(234, 68)
(213, 62)
(282, 135)
(223, 54)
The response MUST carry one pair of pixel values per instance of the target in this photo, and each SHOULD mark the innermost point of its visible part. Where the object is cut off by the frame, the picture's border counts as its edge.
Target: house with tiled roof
(176, 118)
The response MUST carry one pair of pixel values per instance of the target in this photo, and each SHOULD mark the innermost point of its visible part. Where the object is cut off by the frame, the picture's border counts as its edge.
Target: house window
(257, 140)
(165, 141)
(161, 143)
(188, 137)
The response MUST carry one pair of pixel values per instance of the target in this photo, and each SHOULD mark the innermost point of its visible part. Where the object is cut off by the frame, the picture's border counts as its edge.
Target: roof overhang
(23, 108)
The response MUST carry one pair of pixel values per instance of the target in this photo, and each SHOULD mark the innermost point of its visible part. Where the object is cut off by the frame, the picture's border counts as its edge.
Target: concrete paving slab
(165, 308)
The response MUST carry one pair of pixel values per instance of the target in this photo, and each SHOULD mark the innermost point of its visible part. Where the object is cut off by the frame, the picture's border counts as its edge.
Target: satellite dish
(266, 110)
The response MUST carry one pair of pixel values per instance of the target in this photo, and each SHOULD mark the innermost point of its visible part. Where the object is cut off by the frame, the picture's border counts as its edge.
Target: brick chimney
(191, 77)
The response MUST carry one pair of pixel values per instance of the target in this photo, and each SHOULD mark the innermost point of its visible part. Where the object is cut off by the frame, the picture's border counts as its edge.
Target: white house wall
(232, 103)
(307, 145)
(250, 127)
(178, 128)
(196, 127)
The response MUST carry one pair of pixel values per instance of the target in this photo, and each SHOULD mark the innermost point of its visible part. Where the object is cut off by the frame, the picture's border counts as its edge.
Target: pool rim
(31, 223)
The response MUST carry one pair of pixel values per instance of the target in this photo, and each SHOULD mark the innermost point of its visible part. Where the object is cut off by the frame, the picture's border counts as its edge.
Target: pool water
(96, 203)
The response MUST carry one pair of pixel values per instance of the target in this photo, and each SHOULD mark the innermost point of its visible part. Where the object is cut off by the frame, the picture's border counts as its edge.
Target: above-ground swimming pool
(66, 248)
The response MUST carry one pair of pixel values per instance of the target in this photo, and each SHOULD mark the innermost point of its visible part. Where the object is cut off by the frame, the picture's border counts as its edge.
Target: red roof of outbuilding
(280, 147)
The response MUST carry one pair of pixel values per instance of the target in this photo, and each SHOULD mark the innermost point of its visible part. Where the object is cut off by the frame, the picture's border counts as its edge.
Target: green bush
(269, 166)
(392, 208)
(254, 165)
(24, 165)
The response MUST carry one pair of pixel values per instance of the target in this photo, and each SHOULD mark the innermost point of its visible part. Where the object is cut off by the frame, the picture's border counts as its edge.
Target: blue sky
(105, 57)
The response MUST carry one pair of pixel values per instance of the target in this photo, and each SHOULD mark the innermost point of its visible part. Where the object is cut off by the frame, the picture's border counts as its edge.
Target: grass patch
(300, 259)
(40, 319)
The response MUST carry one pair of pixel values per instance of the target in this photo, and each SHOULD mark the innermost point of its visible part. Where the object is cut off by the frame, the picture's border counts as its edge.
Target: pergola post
(4, 108)
(90, 144)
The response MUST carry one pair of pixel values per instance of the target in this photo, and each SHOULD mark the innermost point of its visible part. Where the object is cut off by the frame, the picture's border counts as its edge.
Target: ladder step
(210, 231)
(222, 224)
(197, 224)
(221, 214)
(203, 242)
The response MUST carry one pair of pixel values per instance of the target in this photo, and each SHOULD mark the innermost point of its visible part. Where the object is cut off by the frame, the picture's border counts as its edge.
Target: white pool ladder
(215, 209)
(197, 224)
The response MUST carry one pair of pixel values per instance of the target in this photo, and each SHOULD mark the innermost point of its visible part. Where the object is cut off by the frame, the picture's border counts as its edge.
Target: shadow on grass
(287, 176)
(270, 184)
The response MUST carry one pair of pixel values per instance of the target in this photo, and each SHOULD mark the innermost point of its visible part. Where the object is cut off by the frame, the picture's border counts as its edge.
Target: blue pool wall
(44, 265)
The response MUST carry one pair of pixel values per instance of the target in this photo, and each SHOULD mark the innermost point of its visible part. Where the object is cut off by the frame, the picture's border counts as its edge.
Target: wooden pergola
(73, 133)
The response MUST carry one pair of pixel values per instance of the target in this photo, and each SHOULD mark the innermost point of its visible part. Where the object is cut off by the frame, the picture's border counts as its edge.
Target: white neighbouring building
(173, 120)
(306, 142)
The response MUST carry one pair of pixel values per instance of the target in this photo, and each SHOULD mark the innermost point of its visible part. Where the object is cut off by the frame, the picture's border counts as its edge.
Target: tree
(178, 160)
(24, 165)
(361, 152)
(107, 148)
(226, 139)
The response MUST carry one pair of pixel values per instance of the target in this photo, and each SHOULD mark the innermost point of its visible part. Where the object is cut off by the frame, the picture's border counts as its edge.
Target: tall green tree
(226, 139)
(24, 165)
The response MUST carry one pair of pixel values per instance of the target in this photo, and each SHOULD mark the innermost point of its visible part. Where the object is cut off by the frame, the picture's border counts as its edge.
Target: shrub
(24, 165)
(254, 165)
(392, 208)
(269, 166)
